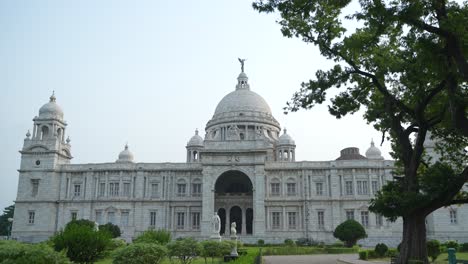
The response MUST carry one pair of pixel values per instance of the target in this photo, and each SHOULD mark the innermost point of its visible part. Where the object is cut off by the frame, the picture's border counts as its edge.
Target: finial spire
(372, 142)
(126, 145)
(196, 131)
(28, 134)
(242, 61)
(285, 131)
(52, 97)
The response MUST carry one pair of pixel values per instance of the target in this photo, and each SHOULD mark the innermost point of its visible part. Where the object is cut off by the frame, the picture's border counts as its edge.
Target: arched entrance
(234, 202)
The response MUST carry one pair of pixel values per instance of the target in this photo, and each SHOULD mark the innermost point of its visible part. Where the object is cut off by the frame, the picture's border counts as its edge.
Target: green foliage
(160, 236)
(261, 242)
(342, 250)
(12, 252)
(5, 225)
(464, 247)
(113, 230)
(305, 242)
(338, 244)
(81, 222)
(414, 261)
(451, 244)
(82, 243)
(350, 231)
(381, 249)
(364, 255)
(140, 253)
(391, 253)
(116, 243)
(212, 249)
(371, 254)
(289, 242)
(185, 250)
(433, 249)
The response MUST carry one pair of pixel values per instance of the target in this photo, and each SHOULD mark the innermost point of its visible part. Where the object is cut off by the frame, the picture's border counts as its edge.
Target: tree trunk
(413, 245)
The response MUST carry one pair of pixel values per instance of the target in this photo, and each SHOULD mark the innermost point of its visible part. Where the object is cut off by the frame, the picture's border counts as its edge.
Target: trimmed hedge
(364, 255)
(19, 253)
(140, 253)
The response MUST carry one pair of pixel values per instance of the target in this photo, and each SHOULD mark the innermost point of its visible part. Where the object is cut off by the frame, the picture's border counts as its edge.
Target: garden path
(315, 259)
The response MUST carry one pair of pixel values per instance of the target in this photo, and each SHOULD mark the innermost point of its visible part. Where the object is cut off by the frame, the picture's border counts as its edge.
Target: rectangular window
(102, 189)
(74, 215)
(362, 187)
(124, 218)
(375, 187)
(181, 189)
(126, 189)
(99, 217)
(292, 220)
(196, 220)
(152, 219)
(275, 189)
(77, 190)
(319, 188)
(114, 189)
(321, 219)
(291, 187)
(154, 189)
(365, 218)
(35, 187)
(349, 214)
(349, 187)
(378, 220)
(276, 220)
(453, 216)
(31, 216)
(196, 189)
(111, 217)
(180, 220)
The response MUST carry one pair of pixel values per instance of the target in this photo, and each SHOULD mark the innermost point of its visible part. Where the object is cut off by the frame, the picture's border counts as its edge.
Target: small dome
(351, 153)
(373, 152)
(125, 156)
(196, 140)
(51, 109)
(286, 139)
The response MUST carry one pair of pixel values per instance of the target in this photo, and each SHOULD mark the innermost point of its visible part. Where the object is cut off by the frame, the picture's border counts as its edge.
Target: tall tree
(5, 225)
(406, 65)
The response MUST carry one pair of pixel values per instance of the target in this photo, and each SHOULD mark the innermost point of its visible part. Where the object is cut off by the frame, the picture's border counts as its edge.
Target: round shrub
(261, 242)
(212, 249)
(433, 249)
(82, 243)
(289, 242)
(364, 255)
(113, 230)
(160, 236)
(184, 249)
(19, 253)
(116, 243)
(350, 231)
(451, 244)
(81, 222)
(381, 249)
(140, 253)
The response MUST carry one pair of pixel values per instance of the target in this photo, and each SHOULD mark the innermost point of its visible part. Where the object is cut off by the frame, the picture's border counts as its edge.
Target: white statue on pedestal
(233, 229)
(216, 223)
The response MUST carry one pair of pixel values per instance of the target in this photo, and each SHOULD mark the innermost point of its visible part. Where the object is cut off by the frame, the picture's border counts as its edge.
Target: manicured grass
(443, 258)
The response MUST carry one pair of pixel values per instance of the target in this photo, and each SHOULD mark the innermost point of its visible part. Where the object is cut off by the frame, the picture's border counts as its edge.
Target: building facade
(243, 168)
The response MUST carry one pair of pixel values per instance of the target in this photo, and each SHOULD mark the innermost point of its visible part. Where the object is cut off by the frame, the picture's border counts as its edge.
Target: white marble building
(244, 168)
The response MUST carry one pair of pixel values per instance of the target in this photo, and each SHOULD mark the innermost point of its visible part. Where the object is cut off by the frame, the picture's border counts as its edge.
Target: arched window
(44, 132)
(291, 187)
(196, 187)
(275, 187)
(59, 133)
(181, 187)
(195, 155)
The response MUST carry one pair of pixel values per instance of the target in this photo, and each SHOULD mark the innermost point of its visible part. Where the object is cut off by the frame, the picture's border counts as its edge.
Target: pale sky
(149, 73)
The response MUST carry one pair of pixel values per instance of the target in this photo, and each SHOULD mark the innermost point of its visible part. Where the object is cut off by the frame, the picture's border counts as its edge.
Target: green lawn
(443, 258)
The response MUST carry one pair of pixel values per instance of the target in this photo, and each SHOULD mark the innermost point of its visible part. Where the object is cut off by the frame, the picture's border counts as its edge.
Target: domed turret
(373, 152)
(286, 148)
(125, 156)
(51, 110)
(196, 140)
(286, 139)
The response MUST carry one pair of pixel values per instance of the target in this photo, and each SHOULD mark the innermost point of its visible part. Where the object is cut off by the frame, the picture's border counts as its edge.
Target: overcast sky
(149, 73)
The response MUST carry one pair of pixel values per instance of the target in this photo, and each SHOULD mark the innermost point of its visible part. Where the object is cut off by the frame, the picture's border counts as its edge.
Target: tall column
(227, 228)
(285, 219)
(244, 223)
(259, 202)
(207, 202)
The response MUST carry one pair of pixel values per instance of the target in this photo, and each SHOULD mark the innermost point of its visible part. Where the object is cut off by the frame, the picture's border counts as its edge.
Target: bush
(116, 243)
(140, 253)
(261, 242)
(364, 255)
(82, 243)
(273, 251)
(414, 261)
(184, 249)
(391, 253)
(305, 242)
(212, 249)
(399, 247)
(289, 242)
(451, 244)
(341, 250)
(19, 253)
(433, 249)
(114, 230)
(338, 244)
(350, 231)
(381, 249)
(161, 236)
(464, 247)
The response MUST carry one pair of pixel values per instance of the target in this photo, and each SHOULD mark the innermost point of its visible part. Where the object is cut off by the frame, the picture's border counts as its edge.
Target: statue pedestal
(234, 248)
(215, 237)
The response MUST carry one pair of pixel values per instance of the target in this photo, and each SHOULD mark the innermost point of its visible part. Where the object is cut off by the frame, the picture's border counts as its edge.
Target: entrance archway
(234, 202)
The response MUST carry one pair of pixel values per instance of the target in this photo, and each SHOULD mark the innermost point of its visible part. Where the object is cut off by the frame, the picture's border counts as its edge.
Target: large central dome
(243, 106)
